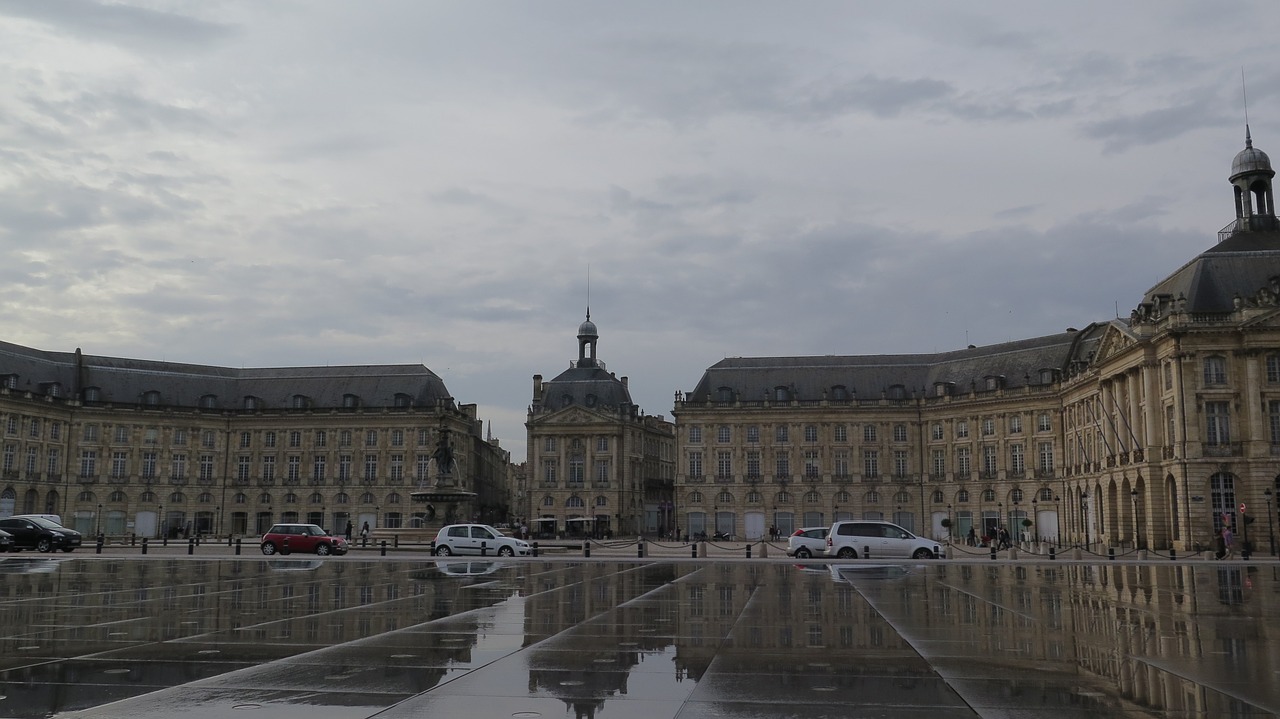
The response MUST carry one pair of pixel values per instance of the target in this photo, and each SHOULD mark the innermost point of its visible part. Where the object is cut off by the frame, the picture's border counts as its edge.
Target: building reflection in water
(1152, 639)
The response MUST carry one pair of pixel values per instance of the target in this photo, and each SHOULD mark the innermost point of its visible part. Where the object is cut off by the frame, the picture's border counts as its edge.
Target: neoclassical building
(597, 465)
(1151, 431)
(129, 446)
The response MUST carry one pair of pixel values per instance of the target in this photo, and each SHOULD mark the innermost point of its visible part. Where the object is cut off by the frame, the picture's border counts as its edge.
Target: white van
(853, 539)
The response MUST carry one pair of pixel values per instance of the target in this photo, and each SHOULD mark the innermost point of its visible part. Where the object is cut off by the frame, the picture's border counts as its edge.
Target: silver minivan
(874, 539)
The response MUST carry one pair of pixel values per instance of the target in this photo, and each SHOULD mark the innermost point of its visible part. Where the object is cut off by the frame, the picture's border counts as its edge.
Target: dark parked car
(6, 542)
(40, 534)
(302, 538)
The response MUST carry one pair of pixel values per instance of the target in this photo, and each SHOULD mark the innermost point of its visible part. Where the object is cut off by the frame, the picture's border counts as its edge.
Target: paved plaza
(219, 635)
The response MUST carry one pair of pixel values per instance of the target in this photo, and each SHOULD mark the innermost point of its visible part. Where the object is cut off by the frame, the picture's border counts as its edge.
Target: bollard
(1173, 553)
(133, 539)
(432, 547)
(1013, 552)
(164, 541)
(764, 550)
(237, 547)
(384, 547)
(702, 549)
(640, 549)
(586, 548)
(191, 545)
(693, 550)
(1111, 553)
(99, 547)
(284, 546)
(1052, 555)
(484, 549)
(535, 549)
(395, 541)
(197, 540)
(228, 541)
(993, 551)
(364, 541)
(144, 545)
(748, 550)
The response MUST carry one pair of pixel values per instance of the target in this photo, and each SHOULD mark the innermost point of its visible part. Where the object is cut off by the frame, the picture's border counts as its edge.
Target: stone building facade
(1152, 431)
(127, 446)
(597, 465)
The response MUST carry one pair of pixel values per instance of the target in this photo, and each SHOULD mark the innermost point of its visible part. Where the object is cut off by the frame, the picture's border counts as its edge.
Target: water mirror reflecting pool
(354, 638)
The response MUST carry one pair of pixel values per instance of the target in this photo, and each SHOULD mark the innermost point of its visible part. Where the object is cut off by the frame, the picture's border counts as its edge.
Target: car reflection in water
(461, 568)
(28, 566)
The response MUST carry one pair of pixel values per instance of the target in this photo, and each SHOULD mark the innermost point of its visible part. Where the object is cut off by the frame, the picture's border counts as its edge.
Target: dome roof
(1250, 160)
(587, 329)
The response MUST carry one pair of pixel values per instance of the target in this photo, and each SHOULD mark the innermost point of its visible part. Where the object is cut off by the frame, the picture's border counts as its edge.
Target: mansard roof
(590, 386)
(122, 380)
(1013, 364)
(1239, 265)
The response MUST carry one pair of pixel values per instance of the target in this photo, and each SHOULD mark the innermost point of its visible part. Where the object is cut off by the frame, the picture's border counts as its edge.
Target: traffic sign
(1242, 507)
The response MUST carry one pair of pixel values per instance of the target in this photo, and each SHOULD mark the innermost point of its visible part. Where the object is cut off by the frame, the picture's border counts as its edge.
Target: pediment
(1262, 319)
(573, 416)
(1115, 341)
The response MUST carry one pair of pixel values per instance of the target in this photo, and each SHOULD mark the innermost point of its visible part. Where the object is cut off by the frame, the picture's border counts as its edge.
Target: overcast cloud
(289, 182)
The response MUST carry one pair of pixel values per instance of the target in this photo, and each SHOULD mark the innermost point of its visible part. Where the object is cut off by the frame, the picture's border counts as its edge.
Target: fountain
(446, 491)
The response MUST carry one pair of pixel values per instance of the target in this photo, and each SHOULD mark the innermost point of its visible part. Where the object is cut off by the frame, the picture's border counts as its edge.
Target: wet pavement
(392, 637)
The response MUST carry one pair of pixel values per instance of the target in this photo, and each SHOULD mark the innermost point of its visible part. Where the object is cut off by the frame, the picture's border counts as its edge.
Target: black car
(6, 542)
(40, 534)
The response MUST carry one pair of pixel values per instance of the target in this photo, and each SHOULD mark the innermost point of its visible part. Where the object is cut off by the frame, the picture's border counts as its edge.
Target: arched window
(290, 498)
(988, 495)
(575, 503)
(783, 498)
(548, 501)
(393, 498)
(264, 498)
(902, 497)
(812, 497)
(316, 498)
(85, 497)
(937, 496)
(753, 497)
(209, 401)
(117, 496)
(367, 498)
(724, 498)
(205, 498)
(151, 398)
(1215, 370)
(240, 498)
(1046, 495)
(872, 497)
(962, 496)
(342, 498)
(602, 501)
(177, 498)
(695, 498)
(843, 497)
(1016, 495)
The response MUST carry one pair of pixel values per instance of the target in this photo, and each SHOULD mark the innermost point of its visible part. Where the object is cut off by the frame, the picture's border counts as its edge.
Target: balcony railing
(1226, 449)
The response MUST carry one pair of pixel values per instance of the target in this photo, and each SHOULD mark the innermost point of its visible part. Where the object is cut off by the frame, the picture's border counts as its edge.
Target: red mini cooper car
(302, 539)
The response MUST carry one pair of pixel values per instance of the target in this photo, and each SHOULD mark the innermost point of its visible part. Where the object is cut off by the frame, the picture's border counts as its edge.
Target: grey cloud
(123, 25)
(1155, 126)
(879, 96)
(114, 111)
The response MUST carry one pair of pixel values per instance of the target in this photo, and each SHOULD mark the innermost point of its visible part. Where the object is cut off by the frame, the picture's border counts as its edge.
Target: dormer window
(781, 394)
(52, 389)
(897, 391)
(840, 393)
(300, 401)
(993, 382)
(943, 389)
(350, 401)
(251, 403)
(209, 401)
(566, 400)
(1047, 376)
(403, 400)
(10, 381)
(724, 394)
(92, 394)
(151, 398)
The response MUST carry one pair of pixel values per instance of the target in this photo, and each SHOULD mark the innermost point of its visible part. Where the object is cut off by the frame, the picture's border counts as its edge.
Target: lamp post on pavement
(1084, 516)
(1271, 537)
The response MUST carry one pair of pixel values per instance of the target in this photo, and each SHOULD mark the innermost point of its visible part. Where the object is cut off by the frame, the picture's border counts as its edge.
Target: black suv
(40, 534)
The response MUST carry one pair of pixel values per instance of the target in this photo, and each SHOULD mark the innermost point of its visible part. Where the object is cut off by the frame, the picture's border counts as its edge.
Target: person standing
(350, 527)
(364, 533)
(1228, 542)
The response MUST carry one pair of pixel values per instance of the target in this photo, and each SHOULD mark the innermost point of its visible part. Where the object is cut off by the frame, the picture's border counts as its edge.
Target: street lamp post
(1057, 523)
(1035, 518)
(99, 519)
(1271, 537)
(1084, 516)
(1137, 540)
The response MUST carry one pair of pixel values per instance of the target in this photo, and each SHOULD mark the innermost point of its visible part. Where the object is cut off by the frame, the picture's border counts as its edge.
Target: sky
(312, 182)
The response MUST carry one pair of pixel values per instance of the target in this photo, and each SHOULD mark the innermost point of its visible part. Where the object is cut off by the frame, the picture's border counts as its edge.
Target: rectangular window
(178, 465)
(1215, 370)
(1015, 424)
(371, 466)
(868, 433)
(243, 464)
(1274, 410)
(549, 444)
(420, 466)
(344, 438)
(810, 433)
(962, 428)
(964, 465)
(246, 440)
(33, 459)
(119, 464)
(753, 435)
(781, 433)
(549, 471)
(371, 438)
(55, 430)
(1017, 460)
(695, 435)
(148, 464)
(841, 433)
(269, 468)
(753, 463)
(318, 468)
(397, 438)
(1273, 368)
(841, 460)
(90, 432)
(10, 457)
(397, 467)
(1218, 422)
(1044, 422)
(936, 432)
(695, 464)
(293, 468)
(899, 432)
(1171, 424)
(208, 439)
(939, 462)
(602, 471)
(782, 464)
(322, 438)
(988, 427)
(424, 437)
(269, 439)
(900, 468)
(121, 433)
(88, 463)
(602, 444)
(989, 460)
(344, 467)
(206, 467)
(724, 465)
(180, 437)
(151, 435)
(53, 467)
(870, 463)
(295, 439)
(722, 434)
(1046, 456)
(1168, 375)
(34, 431)
(811, 464)
(576, 472)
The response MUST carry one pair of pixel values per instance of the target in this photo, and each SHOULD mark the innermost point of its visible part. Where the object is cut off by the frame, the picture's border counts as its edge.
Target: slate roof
(591, 386)
(125, 381)
(1241, 264)
(868, 376)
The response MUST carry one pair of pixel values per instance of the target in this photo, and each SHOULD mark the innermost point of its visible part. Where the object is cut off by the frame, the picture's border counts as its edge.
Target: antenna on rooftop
(1244, 91)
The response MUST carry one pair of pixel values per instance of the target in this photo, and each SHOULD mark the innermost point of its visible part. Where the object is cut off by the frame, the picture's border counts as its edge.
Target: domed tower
(1251, 175)
(587, 337)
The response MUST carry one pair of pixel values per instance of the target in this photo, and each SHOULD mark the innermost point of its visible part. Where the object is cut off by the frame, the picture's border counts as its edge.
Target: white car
(478, 539)
(807, 542)
(851, 539)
